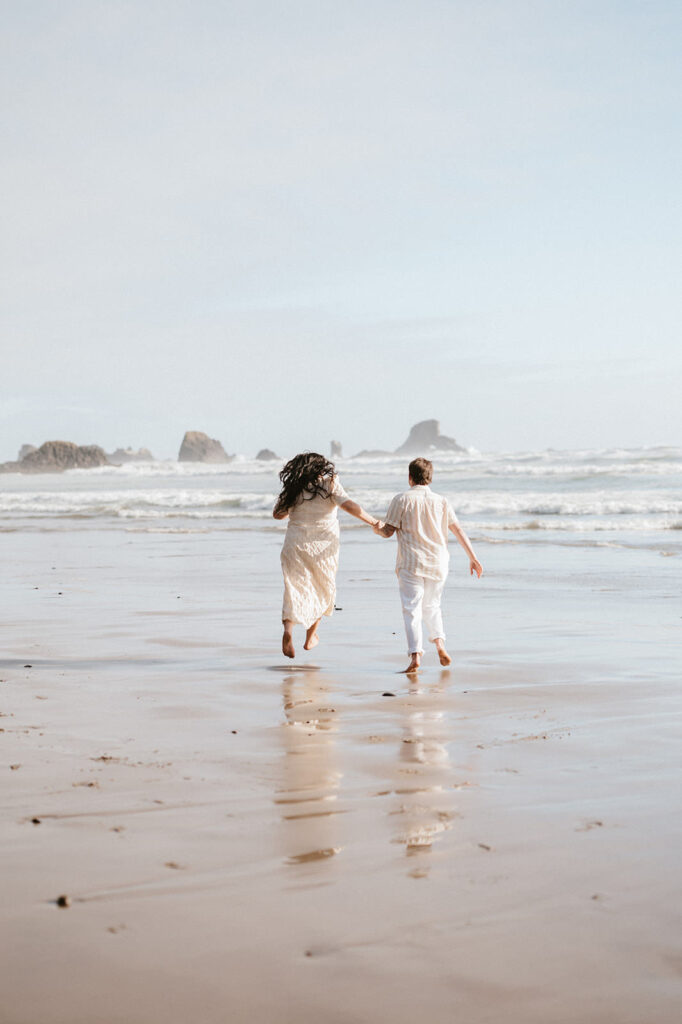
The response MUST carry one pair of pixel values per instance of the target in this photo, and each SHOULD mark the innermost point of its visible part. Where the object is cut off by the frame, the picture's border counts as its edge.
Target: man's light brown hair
(421, 471)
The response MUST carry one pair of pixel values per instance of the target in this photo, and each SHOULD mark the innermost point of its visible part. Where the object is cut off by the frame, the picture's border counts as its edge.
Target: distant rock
(336, 450)
(426, 437)
(123, 455)
(199, 447)
(55, 456)
(372, 453)
(25, 450)
(267, 455)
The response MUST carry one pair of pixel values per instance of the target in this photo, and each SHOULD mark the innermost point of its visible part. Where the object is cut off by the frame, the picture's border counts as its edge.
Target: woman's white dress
(310, 556)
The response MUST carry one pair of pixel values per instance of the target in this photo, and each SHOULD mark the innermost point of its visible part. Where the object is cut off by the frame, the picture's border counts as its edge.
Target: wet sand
(243, 838)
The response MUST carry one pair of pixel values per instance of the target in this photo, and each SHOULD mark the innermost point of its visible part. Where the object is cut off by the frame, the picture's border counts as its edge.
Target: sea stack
(336, 450)
(426, 437)
(199, 447)
(267, 455)
(55, 456)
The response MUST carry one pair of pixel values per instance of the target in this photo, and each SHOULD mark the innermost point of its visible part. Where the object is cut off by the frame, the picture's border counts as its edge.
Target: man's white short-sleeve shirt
(422, 520)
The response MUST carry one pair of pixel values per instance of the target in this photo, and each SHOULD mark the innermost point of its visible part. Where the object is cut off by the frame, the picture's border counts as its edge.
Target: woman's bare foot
(311, 637)
(288, 644)
(443, 656)
(415, 661)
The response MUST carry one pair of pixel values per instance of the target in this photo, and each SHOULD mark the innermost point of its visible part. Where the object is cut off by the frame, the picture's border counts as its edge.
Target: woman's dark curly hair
(307, 472)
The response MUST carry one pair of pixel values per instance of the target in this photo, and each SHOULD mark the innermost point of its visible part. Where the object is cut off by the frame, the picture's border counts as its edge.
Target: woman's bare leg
(288, 639)
(311, 637)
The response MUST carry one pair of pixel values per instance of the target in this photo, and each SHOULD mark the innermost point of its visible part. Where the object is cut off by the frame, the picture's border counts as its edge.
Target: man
(422, 520)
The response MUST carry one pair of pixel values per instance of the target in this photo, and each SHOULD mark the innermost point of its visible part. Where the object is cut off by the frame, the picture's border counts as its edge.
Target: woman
(310, 496)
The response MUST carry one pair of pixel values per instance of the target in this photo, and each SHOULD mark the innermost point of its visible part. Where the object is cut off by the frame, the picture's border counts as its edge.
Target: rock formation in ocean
(199, 447)
(24, 450)
(267, 455)
(426, 437)
(54, 456)
(336, 450)
(123, 455)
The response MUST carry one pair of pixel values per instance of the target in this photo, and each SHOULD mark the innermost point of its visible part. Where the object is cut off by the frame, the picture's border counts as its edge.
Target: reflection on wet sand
(425, 800)
(309, 788)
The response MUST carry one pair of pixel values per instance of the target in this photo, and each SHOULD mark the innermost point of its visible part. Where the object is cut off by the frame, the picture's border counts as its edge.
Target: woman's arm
(356, 510)
(474, 564)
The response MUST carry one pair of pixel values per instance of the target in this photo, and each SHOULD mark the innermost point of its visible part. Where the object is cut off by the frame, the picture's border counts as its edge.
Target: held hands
(378, 527)
(475, 567)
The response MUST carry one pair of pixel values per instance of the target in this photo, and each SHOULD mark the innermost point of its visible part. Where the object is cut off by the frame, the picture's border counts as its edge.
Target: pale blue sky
(286, 222)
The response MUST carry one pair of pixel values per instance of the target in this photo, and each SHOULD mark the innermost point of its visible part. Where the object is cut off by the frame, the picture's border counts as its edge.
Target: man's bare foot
(311, 640)
(415, 661)
(443, 656)
(288, 645)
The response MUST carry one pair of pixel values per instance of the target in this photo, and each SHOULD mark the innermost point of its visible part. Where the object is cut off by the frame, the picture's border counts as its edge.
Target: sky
(287, 222)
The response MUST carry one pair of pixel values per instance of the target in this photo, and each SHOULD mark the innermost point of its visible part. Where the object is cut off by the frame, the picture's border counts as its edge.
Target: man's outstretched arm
(474, 564)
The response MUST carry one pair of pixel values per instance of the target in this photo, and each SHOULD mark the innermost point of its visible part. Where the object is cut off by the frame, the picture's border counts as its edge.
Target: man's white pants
(421, 600)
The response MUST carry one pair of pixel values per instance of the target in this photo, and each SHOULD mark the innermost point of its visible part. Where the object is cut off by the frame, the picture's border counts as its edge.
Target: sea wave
(498, 509)
(132, 503)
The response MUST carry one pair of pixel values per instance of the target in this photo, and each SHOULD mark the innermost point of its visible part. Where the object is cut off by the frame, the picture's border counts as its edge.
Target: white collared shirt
(422, 519)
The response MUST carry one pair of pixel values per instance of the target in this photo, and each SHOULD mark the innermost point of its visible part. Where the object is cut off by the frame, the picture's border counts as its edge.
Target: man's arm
(394, 514)
(474, 564)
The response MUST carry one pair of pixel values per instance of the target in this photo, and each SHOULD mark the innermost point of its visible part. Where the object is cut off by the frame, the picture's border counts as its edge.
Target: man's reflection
(308, 792)
(425, 799)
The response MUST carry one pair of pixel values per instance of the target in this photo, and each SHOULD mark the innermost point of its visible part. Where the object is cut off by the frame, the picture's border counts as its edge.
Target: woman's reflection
(309, 789)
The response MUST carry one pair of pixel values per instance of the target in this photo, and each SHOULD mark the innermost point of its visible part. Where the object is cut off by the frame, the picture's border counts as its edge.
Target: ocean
(596, 497)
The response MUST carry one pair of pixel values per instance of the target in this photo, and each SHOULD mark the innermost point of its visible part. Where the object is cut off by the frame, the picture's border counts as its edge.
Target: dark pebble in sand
(234, 732)
(308, 952)
(35, 821)
(63, 901)
(28, 666)
(337, 609)
(387, 693)
(14, 767)
(484, 846)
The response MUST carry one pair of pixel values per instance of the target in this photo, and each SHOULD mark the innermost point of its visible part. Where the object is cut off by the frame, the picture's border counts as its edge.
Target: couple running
(311, 494)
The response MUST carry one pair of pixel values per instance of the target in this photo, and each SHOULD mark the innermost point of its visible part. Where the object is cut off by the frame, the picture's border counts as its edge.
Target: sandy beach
(242, 838)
